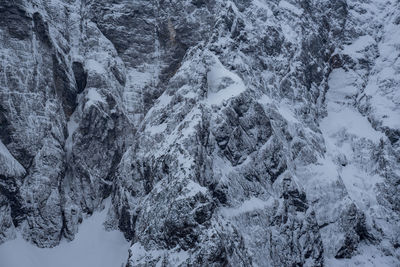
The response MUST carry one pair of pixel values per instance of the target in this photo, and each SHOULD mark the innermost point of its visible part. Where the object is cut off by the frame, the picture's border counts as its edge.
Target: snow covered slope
(92, 246)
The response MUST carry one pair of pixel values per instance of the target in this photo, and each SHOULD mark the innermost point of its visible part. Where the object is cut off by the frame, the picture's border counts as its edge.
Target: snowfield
(92, 246)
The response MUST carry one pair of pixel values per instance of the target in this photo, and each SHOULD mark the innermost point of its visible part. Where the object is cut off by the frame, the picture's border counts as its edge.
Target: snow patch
(138, 78)
(92, 246)
(287, 113)
(9, 166)
(249, 205)
(342, 116)
(358, 46)
(95, 66)
(341, 85)
(289, 33)
(264, 6)
(383, 84)
(157, 129)
(349, 121)
(72, 125)
(139, 255)
(265, 100)
(369, 257)
(288, 6)
(191, 190)
(283, 108)
(222, 83)
(360, 186)
(93, 97)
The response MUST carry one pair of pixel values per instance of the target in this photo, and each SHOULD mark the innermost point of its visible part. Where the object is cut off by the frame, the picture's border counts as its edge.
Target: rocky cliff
(226, 133)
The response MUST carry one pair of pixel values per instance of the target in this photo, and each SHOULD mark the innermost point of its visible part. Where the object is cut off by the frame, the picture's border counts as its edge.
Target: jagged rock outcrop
(227, 133)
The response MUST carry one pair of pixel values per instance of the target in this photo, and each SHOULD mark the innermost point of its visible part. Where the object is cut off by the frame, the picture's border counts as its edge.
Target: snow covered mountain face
(226, 133)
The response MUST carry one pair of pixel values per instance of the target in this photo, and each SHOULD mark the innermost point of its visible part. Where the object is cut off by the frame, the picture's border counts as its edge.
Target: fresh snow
(249, 205)
(93, 65)
(162, 102)
(369, 257)
(288, 6)
(92, 246)
(264, 6)
(192, 189)
(342, 116)
(283, 108)
(351, 122)
(9, 166)
(344, 125)
(358, 46)
(136, 81)
(343, 128)
(93, 97)
(157, 129)
(139, 254)
(360, 186)
(381, 88)
(222, 83)
(384, 79)
(289, 33)
(72, 125)
(341, 85)
(287, 113)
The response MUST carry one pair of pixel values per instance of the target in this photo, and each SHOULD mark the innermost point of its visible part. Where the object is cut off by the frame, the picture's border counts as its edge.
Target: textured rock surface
(227, 133)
